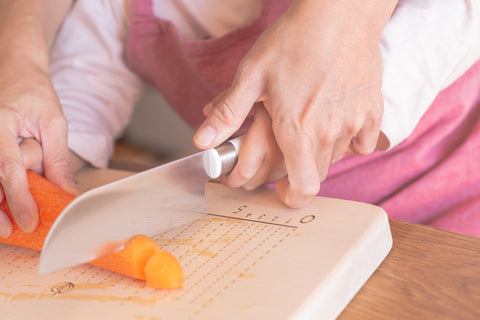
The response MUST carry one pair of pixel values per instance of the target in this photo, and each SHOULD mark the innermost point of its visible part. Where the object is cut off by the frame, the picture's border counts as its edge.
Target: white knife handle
(221, 160)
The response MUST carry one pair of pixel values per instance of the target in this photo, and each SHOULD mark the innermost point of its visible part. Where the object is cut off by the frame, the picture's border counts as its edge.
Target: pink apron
(431, 178)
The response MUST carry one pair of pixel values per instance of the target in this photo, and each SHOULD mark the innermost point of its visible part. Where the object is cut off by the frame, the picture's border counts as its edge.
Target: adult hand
(29, 108)
(317, 71)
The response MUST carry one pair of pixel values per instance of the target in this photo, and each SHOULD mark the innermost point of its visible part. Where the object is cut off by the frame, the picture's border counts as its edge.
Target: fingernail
(205, 135)
(5, 231)
(26, 223)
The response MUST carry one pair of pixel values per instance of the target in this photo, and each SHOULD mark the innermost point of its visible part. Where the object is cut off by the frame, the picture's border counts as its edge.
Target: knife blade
(100, 221)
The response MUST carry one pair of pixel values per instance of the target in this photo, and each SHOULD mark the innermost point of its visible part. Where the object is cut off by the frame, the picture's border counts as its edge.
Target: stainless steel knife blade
(101, 220)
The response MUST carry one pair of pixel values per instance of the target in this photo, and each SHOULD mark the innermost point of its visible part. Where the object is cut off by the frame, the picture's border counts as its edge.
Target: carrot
(50, 200)
(142, 259)
(163, 271)
(131, 261)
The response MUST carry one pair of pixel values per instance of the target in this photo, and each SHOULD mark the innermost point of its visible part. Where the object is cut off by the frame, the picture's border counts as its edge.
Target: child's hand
(318, 74)
(29, 108)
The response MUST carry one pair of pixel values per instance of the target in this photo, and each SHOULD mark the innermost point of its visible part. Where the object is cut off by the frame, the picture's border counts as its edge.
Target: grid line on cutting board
(222, 250)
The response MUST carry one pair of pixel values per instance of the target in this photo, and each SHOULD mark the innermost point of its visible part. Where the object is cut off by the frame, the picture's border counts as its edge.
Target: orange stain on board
(204, 253)
(224, 240)
(246, 275)
(95, 285)
(176, 242)
(23, 296)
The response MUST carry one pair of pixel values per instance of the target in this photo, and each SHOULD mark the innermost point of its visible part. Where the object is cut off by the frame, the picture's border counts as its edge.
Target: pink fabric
(189, 74)
(432, 178)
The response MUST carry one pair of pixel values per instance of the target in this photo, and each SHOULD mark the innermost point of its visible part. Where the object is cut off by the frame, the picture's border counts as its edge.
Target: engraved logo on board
(62, 288)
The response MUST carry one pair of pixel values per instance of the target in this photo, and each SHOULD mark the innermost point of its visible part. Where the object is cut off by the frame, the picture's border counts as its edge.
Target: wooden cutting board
(249, 258)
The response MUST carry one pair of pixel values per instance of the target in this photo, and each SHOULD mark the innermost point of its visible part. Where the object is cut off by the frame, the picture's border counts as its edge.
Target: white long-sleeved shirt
(425, 47)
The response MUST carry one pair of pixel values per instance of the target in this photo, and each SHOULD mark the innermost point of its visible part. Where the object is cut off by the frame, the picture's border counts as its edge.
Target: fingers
(31, 152)
(57, 161)
(367, 138)
(14, 182)
(303, 181)
(226, 113)
(260, 161)
(5, 223)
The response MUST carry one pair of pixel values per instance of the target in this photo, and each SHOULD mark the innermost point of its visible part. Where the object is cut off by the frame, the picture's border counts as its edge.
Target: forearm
(27, 28)
(351, 17)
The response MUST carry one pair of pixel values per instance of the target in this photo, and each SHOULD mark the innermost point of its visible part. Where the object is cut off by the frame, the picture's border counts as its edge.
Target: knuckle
(376, 113)
(354, 126)
(248, 72)
(60, 163)
(57, 124)
(9, 115)
(287, 129)
(364, 148)
(8, 167)
(244, 173)
(327, 137)
(224, 112)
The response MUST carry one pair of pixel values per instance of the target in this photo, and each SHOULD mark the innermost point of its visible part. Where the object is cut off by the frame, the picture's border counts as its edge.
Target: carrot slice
(131, 261)
(142, 259)
(163, 271)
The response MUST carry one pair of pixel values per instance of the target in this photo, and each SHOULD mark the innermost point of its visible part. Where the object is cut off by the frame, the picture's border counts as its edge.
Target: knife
(100, 221)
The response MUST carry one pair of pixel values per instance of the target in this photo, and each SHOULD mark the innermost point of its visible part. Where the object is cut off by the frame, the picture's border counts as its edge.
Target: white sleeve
(88, 70)
(426, 46)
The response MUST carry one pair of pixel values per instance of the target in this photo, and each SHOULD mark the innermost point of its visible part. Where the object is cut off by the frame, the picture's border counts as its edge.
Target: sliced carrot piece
(142, 259)
(163, 271)
(131, 261)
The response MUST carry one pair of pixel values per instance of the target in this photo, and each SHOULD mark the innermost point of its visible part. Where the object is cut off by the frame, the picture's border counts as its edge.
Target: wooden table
(429, 274)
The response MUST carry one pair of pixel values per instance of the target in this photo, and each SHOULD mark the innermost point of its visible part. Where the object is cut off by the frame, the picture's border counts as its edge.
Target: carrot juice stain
(67, 291)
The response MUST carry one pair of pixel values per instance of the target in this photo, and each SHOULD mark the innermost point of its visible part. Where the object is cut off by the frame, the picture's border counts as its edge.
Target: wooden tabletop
(429, 274)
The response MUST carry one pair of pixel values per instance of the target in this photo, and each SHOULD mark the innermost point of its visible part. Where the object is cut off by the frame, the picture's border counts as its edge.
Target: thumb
(225, 114)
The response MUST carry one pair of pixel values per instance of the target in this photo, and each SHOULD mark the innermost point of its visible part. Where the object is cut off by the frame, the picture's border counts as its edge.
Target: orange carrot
(163, 271)
(131, 261)
(142, 259)
(50, 200)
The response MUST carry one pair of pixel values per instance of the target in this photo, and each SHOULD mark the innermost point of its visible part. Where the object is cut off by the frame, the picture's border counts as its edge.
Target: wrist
(24, 57)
